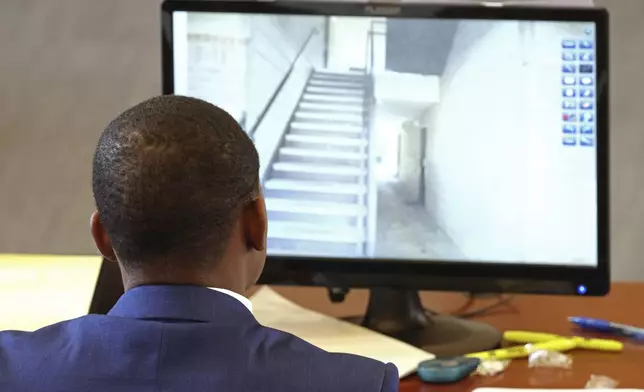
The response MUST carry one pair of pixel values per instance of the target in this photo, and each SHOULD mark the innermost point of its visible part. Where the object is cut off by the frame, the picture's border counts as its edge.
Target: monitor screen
(409, 139)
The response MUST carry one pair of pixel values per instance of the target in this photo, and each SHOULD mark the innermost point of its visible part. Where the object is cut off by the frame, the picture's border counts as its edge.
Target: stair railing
(369, 113)
(279, 87)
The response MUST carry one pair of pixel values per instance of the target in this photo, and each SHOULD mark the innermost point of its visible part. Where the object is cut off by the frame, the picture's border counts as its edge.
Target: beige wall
(68, 66)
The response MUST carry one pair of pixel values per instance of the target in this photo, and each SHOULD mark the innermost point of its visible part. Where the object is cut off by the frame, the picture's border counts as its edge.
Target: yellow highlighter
(587, 344)
(559, 345)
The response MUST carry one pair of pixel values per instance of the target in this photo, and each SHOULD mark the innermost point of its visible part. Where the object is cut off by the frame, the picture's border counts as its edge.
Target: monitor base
(400, 314)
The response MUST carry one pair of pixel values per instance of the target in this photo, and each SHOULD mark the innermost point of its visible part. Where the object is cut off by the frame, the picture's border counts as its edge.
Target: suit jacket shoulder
(171, 339)
(351, 372)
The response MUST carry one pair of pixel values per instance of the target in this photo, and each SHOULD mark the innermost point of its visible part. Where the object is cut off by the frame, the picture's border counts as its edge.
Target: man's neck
(132, 280)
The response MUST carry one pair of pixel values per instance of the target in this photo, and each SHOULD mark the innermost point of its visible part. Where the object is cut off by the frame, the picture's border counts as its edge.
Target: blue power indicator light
(581, 289)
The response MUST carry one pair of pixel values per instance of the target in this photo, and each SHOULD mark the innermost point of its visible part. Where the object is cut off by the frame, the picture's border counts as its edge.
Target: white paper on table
(332, 334)
(510, 3)
(554, 390)
(544, 3)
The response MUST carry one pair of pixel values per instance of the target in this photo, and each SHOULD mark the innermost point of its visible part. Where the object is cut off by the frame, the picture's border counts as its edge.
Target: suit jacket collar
(190, 303)
(244, 301)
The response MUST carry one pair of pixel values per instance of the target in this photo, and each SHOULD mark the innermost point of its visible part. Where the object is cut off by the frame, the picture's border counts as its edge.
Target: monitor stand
(400, 314)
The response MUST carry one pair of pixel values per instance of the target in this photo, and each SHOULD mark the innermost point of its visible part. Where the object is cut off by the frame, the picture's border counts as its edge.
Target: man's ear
(101, 239)
(255, 224)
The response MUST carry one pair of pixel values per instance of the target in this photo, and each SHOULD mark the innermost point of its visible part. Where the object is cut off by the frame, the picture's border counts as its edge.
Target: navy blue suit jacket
(178, 338)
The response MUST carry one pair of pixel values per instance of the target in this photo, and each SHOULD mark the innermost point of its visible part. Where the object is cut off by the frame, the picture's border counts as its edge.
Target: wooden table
(32, 283)
(537, 313)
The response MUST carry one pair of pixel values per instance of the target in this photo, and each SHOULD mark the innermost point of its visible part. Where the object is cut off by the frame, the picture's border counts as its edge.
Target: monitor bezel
(437, 274)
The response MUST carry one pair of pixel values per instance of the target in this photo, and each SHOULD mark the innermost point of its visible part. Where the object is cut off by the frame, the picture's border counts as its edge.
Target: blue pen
(596, 325)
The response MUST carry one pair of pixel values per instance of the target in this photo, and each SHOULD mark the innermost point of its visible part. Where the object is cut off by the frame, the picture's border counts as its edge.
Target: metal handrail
(368, 121)
(268, 105)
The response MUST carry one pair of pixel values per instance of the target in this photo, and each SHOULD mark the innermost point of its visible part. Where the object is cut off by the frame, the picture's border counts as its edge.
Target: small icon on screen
(569, 141)
(586, 129)
(586, 117)
(586, 56)
(586, 80)
(569, 92)
(569, 80)
(568, 44)
(588, 31)
(586, 105)
(586, 93)
(569, 104)
(570, 129)
(569, 117)
(568, 68)
(586, 141)
(586, 68)
(569, 56)
(586, 44)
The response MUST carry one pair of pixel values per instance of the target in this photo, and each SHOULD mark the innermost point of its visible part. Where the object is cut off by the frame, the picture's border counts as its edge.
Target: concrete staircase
(316, 188)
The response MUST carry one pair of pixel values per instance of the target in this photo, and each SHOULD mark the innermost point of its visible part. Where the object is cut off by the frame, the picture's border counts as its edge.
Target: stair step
(315, 187)
(334, 72)
(348, 84)
(341, 81)
(310, 153)
(327, 140)
(359, 81)
(327, 127)
(335, 117)
(315, 208)
(310, 253)
(337, 170)
(330, 107)
(335, 91)
(310, 231)
(343, 99)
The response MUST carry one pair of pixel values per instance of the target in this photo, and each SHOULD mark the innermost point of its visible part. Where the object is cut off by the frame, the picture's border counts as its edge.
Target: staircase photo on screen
(316, 189)
(378, 137)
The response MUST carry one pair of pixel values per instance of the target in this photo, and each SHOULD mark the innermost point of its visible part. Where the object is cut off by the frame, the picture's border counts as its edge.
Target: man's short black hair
(169, 178)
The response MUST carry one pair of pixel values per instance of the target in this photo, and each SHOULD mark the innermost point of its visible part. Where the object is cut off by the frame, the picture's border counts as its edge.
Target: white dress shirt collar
(245, 301)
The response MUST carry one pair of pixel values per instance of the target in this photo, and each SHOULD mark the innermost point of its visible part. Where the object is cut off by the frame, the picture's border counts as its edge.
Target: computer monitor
(410, 147)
